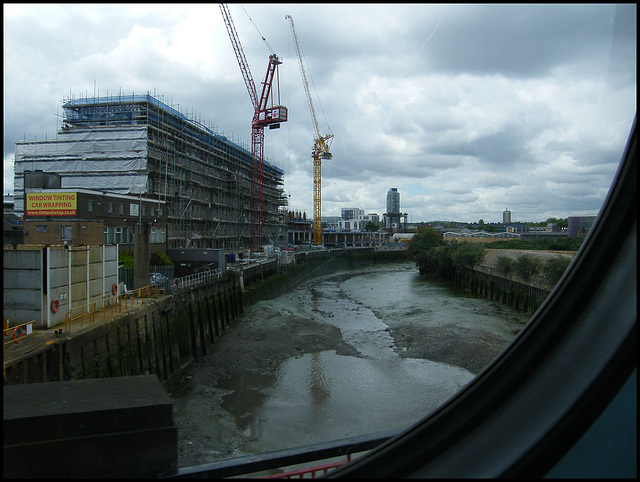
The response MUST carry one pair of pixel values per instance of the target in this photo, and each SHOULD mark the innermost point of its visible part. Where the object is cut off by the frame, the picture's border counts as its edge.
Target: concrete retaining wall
(163, 336)
(520, 294)
(22, 290)
(160, 337)
(35, 276)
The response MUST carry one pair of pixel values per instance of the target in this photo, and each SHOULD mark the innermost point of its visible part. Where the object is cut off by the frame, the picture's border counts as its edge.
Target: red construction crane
(265, 114)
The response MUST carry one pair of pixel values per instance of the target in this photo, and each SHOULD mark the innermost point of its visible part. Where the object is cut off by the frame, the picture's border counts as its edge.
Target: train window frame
(527, 409)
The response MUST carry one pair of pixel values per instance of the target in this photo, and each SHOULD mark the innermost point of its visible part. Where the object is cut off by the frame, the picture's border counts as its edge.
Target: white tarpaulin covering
(123, 184)
(110, 159)
(93, 144)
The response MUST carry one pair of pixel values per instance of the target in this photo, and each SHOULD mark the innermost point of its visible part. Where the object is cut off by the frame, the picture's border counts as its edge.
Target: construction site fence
(108, 305)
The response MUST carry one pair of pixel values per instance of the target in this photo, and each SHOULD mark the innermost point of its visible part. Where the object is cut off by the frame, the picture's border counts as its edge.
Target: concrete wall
(22, 289)
(36, 276)
(523, 295)
(158, 337)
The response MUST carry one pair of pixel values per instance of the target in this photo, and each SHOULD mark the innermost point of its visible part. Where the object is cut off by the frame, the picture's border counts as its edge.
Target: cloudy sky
(466, 109)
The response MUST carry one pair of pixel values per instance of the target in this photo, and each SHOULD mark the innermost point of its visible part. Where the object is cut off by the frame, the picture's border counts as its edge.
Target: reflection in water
(319, 386)
(244, 400)
(324, 396)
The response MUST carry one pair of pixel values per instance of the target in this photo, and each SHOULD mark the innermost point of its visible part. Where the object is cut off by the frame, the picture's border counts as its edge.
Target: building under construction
(137, 145)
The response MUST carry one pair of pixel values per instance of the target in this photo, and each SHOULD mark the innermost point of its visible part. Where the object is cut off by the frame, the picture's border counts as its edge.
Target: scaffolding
(136, 144)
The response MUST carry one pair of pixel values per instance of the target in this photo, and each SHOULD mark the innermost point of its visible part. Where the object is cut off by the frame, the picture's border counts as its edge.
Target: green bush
(158, 258)
(527, 266)
(468, 254)
(505, 264)
(126, 257)
(554, 268)
(421, 248)
(430, 255)
(443, 257)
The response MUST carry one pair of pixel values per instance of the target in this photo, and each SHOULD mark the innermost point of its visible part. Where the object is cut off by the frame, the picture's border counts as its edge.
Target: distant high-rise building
(506, 216)
(351, 213)
(393, 207)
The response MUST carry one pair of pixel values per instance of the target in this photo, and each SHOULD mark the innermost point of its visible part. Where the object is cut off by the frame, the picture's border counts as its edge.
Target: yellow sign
(51, 204)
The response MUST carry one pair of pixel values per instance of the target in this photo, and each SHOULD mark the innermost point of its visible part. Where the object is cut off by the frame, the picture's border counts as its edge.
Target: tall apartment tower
(506, 216)
(393, 207)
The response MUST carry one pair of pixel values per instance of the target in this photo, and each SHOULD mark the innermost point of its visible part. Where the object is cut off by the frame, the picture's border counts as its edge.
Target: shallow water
(325, 396)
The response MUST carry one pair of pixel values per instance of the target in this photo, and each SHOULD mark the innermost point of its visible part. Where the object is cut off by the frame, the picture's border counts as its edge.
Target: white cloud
(465, 109)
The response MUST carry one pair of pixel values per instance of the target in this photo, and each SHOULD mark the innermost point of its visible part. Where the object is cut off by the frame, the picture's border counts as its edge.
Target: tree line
(435, 257)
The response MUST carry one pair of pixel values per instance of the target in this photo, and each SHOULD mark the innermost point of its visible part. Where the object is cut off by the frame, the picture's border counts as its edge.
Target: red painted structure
(265, 114)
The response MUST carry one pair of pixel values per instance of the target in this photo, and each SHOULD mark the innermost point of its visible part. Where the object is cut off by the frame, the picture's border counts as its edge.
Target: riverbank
(263, 339)
(254, 345)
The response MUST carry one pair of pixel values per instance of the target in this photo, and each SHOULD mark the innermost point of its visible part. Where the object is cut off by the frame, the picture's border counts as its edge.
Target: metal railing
(19, 332)
(313, 454)
(109, 304)
(309, 471)
(197, 278)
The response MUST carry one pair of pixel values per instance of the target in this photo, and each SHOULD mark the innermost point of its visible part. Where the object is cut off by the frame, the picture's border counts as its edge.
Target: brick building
(92, 218)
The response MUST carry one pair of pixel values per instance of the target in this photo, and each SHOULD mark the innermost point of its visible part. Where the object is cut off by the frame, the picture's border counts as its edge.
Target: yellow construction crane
(321, 148)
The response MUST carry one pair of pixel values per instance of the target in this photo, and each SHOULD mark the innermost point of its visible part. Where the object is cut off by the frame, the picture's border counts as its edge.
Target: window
(152, 238)
(466, 69)
(112, 237)
(66, 232)
(120, 208)
(118, 235)
(110, 208)
(105, 239)
(89, 206)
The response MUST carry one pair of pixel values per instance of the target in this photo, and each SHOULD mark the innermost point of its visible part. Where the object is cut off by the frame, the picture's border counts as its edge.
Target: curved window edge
(538, 398)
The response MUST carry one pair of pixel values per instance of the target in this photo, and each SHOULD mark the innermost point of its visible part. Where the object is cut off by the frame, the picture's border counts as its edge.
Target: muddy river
(347, 354)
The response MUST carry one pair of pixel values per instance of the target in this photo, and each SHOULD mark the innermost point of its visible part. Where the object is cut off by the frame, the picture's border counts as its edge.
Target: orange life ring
(18, 331)
(55, 304)
(114, 289)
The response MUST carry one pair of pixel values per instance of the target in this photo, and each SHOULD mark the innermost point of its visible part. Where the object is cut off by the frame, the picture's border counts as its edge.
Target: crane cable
(314, 86)
(419, 50)
(317, 96)
(262, 36)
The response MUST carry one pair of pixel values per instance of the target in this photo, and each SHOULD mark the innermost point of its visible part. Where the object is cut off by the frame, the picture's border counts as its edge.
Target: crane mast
(265, 113)
(321, 148)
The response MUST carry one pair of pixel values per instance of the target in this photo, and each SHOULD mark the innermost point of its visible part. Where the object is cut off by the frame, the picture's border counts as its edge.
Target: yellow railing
(19, 332)
(108, 304)
(138, 295)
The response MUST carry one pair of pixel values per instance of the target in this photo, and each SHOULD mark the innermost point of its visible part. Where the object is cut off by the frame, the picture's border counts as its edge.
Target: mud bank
(217, 407)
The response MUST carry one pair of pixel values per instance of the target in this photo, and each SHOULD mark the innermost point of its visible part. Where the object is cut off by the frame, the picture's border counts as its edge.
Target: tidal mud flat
(346, 354)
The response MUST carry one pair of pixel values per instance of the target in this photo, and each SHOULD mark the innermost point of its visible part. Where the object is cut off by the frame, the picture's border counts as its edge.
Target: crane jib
(266, 113)
(321, 148)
